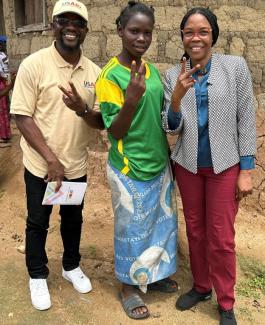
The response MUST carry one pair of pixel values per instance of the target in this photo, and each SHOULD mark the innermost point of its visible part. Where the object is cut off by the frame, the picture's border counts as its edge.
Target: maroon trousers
(210, 207)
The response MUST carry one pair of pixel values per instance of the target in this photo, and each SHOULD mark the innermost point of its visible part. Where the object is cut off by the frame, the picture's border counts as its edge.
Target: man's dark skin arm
(73, 100)
(34, 137)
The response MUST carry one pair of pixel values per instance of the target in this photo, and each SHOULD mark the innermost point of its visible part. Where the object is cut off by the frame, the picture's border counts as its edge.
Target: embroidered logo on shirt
(88, 84)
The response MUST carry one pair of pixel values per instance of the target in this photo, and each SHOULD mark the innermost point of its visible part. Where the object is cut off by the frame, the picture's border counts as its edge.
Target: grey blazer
(231, 122)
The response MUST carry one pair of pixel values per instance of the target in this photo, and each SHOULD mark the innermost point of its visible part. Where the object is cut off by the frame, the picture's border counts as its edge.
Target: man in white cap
(54, 140)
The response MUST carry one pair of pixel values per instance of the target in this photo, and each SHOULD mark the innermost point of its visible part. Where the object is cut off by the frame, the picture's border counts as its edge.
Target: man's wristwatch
(82, 114)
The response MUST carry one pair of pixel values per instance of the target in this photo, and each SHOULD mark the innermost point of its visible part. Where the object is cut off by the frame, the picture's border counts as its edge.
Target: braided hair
(133, 8)
(209, 15)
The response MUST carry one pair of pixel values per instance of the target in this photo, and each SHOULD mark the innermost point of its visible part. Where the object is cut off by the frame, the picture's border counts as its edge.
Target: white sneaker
(39, 293)
(79, 280)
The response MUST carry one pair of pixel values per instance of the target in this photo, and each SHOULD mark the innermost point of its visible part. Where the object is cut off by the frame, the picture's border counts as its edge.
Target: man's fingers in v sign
(65, 91)
(74, 91)
(70, 97)
(70, 93)
(67, 94)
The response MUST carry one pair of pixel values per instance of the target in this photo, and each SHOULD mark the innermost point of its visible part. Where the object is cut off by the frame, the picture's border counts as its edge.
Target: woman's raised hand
(136, 86)
(184, 83)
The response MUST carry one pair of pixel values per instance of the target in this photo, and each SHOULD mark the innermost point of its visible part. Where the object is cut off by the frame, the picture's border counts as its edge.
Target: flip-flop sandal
(166, 285)
(4, 140)
(132, 302)
(5, 144)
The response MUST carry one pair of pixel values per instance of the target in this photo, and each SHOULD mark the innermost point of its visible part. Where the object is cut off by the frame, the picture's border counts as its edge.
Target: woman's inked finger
(142, 69)
(141, 72)
(183, 65)
(193, 70)
(133, 69)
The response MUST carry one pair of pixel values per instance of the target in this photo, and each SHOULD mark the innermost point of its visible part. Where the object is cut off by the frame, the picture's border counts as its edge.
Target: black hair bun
(118, 20)
(132, 3)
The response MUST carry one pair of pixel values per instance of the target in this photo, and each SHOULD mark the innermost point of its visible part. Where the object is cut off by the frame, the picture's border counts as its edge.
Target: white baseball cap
(76, 7)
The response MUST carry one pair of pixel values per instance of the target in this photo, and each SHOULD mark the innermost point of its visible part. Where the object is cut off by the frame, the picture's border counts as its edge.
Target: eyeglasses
(65, 22)
(203, 33)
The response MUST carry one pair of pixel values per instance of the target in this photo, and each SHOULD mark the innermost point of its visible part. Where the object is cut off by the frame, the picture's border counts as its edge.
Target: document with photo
(70, 193)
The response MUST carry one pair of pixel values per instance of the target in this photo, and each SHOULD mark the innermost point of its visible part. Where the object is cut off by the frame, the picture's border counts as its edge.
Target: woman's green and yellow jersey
(143, 152)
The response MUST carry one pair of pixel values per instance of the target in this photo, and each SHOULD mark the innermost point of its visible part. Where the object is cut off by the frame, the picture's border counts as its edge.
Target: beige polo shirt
(36, 94)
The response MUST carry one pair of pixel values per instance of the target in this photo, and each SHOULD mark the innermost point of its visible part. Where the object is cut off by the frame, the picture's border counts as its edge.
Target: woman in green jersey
(130, 93)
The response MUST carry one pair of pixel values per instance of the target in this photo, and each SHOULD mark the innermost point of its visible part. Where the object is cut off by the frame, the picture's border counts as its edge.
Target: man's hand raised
(72, 99)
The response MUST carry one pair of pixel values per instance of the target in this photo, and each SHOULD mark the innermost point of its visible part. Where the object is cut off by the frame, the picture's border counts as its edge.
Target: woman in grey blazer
(209, 104)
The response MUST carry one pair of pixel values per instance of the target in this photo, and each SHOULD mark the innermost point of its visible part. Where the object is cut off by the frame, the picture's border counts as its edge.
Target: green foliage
(254, 285)
(246, 314)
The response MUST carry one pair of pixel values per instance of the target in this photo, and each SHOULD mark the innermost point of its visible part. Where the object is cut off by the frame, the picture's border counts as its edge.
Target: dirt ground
(102, 305)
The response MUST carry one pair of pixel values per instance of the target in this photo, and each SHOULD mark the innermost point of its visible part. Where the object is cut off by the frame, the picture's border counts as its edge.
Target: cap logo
(71, 3)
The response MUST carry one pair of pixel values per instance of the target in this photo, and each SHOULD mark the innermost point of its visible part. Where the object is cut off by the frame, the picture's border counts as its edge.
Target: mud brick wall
(242, 30)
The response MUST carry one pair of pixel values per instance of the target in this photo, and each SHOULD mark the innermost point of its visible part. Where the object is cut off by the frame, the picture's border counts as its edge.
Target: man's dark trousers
(38, 224)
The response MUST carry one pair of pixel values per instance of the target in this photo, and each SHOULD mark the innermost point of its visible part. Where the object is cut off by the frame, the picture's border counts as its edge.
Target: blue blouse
(204, 158)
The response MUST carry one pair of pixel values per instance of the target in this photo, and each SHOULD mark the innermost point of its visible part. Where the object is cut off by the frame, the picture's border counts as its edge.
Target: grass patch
(246, 314)
(254, 285)
(92, 252)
